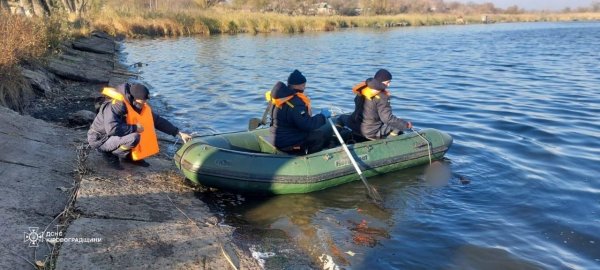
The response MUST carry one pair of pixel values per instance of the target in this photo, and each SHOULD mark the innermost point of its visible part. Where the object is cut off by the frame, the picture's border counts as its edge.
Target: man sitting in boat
(124, 126)
(295, 130)
(372, 117)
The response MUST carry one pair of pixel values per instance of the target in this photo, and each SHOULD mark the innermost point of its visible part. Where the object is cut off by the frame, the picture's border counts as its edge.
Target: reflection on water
(520, 100)
(332, 227)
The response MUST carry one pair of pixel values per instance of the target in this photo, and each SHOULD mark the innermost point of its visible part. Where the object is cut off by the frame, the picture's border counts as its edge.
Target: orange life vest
(363, 90)
(278, 102)
(148, 144)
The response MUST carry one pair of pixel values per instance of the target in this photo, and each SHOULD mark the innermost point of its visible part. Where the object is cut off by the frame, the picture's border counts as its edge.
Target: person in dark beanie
(114, 137)
(295, 130)
(383, 76)
(372, 117)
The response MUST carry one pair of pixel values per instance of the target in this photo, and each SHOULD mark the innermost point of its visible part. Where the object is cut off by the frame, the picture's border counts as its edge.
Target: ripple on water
(524, 121)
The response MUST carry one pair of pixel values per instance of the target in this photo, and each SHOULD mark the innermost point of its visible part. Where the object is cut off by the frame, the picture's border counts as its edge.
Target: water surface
(521, 101)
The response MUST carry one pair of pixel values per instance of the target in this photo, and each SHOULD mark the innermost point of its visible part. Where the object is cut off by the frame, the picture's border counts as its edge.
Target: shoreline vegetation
(220, 21)
(33, 30)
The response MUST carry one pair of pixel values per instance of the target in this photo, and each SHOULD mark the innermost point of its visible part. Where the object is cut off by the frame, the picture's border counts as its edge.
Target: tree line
(291, 7)
(389, 7)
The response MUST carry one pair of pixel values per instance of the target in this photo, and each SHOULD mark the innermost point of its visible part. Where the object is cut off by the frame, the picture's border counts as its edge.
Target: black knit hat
(383, 75)
(139, 91)
(296, 77)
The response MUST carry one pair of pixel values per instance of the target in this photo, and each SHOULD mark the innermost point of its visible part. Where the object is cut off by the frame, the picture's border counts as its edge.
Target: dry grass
(25, 40)
(22, 40)
(139, 23)
(15, 90)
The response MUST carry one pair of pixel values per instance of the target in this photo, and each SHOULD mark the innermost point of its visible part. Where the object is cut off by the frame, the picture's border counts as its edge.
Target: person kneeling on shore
(124, 127)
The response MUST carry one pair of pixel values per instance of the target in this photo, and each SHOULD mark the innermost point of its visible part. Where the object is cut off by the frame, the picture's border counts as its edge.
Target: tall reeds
(136, 22)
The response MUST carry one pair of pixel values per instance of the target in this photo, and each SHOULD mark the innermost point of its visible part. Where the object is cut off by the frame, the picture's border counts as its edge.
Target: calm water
(522, 102)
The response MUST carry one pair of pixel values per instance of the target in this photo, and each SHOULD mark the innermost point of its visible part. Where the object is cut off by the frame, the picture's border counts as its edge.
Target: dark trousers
(120, 146)
(314, 142)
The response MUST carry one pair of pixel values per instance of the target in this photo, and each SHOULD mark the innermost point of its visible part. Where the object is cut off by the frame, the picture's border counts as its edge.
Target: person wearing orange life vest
(295, 130)
(114, 134)
(372, 117)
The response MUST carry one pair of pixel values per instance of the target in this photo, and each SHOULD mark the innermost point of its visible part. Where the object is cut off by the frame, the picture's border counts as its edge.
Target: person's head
(297, 81)
(139, 92)
(383, 76)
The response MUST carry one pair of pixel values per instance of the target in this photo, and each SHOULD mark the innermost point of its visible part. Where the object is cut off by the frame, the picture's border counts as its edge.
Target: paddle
(372, 192)
(254, 123)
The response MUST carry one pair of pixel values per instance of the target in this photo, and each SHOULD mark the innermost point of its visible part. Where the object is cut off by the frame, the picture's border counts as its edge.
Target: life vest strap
(363, 90)
(278, 102)
(112, 93)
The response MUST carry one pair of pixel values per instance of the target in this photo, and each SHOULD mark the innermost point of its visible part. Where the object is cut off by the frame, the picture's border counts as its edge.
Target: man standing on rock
(124, 127)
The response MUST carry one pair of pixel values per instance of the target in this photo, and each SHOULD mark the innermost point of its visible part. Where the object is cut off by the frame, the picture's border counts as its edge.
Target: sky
(536, 4)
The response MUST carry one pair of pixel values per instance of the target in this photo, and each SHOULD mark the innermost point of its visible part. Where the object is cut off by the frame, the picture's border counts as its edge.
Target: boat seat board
(265, 145)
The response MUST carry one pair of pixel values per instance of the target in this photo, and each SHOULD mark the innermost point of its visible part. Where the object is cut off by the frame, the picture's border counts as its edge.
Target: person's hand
(326, 113)
(185, 137)
(409, 125)
(139, 128)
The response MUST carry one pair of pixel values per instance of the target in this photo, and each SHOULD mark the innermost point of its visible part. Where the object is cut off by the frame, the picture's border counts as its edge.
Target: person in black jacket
(372, 116)
(295, 130)
(113, 137)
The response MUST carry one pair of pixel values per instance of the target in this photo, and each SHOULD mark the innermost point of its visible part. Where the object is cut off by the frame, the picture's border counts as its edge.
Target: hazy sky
(536, 4)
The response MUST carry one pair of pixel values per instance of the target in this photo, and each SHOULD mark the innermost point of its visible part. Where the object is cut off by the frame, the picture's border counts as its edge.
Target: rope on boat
(175, 143)
(428, 144)
(336, 109)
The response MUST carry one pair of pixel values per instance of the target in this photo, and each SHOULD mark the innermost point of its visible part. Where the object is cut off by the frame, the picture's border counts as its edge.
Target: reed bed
(222, 21)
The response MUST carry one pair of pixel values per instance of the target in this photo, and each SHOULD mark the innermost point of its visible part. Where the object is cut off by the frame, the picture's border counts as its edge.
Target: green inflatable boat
(247, 162)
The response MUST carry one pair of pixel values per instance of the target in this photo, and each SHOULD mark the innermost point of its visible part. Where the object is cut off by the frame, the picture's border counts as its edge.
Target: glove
(139, 128)
(326, 113)
(185, 137)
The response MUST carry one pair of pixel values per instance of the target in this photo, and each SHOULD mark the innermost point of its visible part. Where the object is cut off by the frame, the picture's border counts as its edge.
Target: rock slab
(33, 185)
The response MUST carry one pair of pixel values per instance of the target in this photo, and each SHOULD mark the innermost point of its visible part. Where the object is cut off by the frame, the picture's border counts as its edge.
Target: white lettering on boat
(345, 161)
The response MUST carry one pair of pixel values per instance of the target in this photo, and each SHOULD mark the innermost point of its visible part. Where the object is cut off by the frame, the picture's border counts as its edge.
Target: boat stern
(446, 139)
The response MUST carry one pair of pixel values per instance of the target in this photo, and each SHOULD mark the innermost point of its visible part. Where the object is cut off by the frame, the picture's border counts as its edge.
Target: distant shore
(208, 22)
(29, 40)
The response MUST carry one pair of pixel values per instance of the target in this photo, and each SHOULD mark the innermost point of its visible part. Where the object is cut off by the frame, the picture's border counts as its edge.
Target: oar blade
(372, 193)
(254, 123)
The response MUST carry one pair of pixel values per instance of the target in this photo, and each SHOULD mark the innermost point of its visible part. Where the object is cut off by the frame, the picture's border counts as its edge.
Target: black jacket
(369, 116)
(290, 126)
(110, 120)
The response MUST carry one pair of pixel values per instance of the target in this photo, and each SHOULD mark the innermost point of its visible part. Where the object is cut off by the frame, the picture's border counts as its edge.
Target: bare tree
(595, 7)
(27, 7)
(4, 5)
(40, 7)
(345, 7)
(208, 3)
(73, 6)
(514, 9)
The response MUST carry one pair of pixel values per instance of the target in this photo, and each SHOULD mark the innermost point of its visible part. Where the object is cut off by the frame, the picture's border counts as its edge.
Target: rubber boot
(112, 160)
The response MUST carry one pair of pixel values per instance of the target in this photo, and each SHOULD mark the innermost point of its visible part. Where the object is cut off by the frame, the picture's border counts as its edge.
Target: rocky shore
(62, 208)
